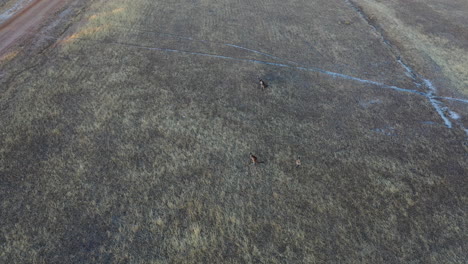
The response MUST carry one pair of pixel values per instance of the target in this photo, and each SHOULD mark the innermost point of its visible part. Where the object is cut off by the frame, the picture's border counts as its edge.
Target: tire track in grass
(210, 41)
(429, 95)
(219, 43)
(310, 69)
(261, 53)
(418, 79)
(436, 103)
(452, 99)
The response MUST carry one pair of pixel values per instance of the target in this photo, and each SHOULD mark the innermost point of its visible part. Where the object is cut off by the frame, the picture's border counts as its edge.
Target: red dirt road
(26, 21)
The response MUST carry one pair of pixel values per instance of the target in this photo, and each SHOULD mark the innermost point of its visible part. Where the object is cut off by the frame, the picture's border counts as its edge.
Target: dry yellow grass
(9, 56)
(423, 46)
(119, 153)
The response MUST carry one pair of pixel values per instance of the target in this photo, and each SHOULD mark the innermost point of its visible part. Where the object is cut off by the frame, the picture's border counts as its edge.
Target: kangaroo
(298, 162)
(254, 159)
(263, 84)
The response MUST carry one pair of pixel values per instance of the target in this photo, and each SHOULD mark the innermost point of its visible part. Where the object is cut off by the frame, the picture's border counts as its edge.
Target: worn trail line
(25, 20)
(208, 41)
(418, 79)
(429, 95)
(311, 69)
(408, 69)
(452, 99)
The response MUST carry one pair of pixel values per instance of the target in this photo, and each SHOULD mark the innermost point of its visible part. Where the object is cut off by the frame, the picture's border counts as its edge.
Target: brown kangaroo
(263, 84)
(254, 159)
(298, 162)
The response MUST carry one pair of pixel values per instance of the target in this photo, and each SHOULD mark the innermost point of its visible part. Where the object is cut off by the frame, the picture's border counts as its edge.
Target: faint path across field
(26, 20)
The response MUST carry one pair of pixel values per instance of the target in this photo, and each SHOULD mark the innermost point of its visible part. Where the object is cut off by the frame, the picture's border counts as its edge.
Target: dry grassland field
(126, 128)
